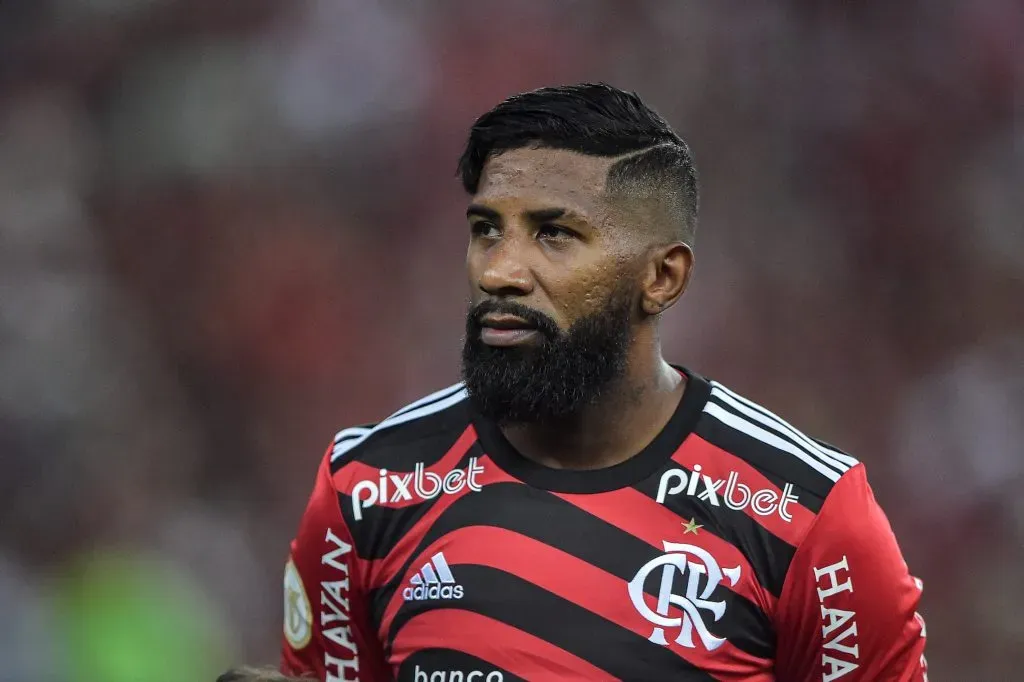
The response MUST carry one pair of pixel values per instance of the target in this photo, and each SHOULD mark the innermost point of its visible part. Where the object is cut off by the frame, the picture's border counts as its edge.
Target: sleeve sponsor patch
(298, 614)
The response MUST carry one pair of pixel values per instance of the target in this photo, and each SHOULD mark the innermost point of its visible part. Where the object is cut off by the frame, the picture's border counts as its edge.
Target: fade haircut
(595, 119)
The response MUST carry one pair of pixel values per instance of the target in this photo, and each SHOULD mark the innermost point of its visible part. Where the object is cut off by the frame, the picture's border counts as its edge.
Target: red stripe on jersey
(504, 646)
(717, 464)
(379, 572)
(631, 511)
(346, 478)
(576, 581)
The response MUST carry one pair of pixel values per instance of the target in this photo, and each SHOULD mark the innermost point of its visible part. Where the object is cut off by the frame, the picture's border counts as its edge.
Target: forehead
(546, 177)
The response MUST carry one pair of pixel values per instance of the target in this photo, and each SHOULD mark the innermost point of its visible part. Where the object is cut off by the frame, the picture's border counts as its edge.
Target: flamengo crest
(701, 575)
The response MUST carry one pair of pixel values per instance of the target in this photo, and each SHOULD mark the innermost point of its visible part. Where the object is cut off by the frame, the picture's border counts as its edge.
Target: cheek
(474, 268)
(587, 293)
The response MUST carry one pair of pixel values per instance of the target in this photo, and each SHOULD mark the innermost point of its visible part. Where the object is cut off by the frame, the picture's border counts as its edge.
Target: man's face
(552, 301)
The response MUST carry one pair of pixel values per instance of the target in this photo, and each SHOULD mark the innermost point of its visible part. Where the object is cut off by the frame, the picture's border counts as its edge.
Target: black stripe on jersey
(425, 439)
(376, 535)
(586, 635)
(773, 424)
(435, 660)
(768, 554)
(772, 462)
(829, 446)
(529, 512)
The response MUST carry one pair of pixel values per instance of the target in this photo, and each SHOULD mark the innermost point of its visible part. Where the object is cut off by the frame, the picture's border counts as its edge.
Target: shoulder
(419, 432)
(766, 441)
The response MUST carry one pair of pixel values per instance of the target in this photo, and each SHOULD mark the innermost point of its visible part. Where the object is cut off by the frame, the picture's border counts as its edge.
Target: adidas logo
(433, 581)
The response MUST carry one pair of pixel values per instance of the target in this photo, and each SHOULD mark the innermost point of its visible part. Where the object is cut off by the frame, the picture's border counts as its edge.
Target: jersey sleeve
(327, 628)
(848, 608)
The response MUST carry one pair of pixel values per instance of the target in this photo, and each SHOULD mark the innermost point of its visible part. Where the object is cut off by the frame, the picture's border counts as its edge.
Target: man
(579, 508)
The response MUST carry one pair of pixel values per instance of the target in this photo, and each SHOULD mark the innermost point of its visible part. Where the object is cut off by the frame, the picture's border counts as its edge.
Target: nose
(506, 272)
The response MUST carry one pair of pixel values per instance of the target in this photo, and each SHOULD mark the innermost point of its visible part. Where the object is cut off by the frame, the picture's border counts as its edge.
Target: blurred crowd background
(230, 228)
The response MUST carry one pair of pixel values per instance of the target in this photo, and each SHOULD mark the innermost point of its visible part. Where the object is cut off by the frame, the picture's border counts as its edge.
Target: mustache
(544, 324)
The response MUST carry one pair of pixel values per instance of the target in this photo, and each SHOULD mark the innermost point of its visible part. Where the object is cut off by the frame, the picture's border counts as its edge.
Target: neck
(619, 425)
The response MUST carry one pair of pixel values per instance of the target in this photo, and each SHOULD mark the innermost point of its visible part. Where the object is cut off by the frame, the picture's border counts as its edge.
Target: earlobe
(652, 307)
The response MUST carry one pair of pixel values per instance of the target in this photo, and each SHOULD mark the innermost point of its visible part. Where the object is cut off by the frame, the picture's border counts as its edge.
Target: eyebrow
(543, 215)
(540, 215)
(483, 212)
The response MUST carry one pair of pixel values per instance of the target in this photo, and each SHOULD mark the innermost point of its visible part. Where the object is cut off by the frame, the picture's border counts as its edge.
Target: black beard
(555, 380)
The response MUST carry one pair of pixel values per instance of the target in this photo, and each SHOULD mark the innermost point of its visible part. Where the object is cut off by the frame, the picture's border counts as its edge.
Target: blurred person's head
(247, 674)
(583, 209)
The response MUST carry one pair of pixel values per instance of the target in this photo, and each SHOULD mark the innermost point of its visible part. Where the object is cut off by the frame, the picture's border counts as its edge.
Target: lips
(506, 322)
(506, 330)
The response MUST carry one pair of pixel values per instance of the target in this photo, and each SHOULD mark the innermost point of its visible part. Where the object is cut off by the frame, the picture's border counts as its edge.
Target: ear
(667, 275)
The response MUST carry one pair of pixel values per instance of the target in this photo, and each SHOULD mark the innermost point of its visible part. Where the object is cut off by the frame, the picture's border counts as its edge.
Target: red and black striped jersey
(733, 547)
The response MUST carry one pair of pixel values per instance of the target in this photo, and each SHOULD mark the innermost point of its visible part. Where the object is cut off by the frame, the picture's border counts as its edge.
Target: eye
(484, 228)
(551, 232)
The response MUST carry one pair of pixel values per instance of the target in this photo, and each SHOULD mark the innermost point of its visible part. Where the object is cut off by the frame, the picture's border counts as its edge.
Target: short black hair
(595, 119)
